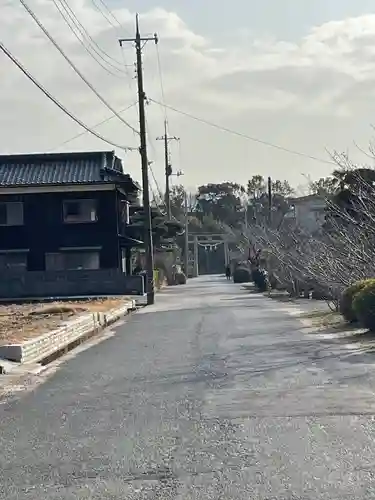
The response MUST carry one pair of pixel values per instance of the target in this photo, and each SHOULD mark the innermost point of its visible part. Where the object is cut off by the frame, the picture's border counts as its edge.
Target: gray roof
(62, 168)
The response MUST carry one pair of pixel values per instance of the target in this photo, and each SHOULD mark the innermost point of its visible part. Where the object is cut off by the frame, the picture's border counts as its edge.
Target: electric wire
(151, 144)
(78, 72)
(111, 14)
(161, 82)
(117, 25)
(244, 136)
(64, 6)
(58, 103)
(157, 199)
(106, 120)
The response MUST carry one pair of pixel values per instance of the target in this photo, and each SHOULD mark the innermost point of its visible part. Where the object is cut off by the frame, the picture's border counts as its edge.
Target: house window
(13, 261)
(125, 212)
(65, 261)
(11, 214)
(75, 211)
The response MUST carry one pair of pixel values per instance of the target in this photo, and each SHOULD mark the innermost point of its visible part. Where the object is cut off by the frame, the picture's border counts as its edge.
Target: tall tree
(258, 203)
(256, 186)
(325, 186)
(282, 188)
(177, 197)
(222, 202)
(353, 200)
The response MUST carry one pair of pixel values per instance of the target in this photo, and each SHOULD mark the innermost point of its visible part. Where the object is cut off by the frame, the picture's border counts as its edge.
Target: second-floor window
(11, 213)
(125, 212)
(75, 211)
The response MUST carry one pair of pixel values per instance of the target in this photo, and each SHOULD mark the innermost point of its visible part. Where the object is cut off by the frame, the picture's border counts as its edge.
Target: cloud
(307, 95)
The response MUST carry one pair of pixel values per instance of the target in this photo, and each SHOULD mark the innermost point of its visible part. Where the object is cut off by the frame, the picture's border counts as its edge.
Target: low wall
(80, 283)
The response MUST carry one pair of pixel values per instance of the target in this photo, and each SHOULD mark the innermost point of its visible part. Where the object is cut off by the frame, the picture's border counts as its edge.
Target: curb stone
(46, 345)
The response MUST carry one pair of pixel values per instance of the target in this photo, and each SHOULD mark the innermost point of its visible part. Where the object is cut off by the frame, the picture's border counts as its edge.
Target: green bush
(364, 305)
(241, 275)
(346, 300)
(260, 278)
(180, 279)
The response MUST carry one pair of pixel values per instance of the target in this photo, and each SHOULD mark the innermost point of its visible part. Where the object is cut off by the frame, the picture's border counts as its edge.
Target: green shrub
(241, 275)
(180, 279)
(364, 305)
(346, 300)
(260, 278)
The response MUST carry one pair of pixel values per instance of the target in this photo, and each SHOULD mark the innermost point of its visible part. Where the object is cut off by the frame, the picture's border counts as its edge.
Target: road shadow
(243, 298)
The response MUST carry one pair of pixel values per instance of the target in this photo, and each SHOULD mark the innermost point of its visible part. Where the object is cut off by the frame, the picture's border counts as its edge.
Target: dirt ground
(20, 322)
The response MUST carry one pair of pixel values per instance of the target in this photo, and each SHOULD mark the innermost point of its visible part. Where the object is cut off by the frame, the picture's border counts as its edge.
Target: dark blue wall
(44, 230)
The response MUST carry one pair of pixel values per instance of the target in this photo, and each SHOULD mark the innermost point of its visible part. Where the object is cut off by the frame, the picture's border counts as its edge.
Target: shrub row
(260, 278)
(241, 275)
(357, 304)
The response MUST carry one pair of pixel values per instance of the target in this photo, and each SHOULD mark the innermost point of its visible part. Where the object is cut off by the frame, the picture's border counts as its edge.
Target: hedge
(241, 275)
(364, 305)
(260, 279)
(180, 278)
(346, 300)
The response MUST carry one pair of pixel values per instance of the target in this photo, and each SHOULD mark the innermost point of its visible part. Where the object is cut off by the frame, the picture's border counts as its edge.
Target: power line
(161, 82)
(152, 146)
(106, 120)
(83, 78)
(105, 15)
(86, 36)
(117, 25)
(244, 136)
(157, 187)
(110, 13)
(58, 104)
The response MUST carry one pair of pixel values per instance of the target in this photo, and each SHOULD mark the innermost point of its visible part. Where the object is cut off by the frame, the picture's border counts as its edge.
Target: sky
(295, 74)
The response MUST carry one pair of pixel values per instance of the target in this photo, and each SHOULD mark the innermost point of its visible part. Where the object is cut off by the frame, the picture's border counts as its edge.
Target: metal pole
(144, 162)
(168, 167)
(167, 172)
(196, 265)
(269, 200)
(226, 253)
(186, 255)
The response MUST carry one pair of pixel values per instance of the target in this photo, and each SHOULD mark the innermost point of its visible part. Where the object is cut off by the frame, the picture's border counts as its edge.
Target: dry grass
(324, 319)
(20, 322)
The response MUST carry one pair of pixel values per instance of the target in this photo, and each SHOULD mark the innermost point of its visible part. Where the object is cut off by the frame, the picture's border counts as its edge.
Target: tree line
(338, 254)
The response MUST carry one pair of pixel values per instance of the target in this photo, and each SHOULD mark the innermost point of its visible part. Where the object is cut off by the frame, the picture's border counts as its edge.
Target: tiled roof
(61, 168)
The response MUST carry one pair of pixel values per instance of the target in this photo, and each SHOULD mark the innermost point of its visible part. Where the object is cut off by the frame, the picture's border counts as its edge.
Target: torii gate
(207, 240)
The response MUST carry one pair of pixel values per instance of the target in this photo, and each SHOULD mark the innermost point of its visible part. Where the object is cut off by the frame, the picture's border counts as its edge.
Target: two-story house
(64, 213)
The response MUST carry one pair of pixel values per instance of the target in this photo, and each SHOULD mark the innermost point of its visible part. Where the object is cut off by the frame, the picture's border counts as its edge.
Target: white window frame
(18, 220)
(125, 212)
(91, 214)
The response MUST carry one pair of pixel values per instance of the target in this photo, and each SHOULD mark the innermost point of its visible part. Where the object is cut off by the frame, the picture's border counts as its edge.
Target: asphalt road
(213, 393)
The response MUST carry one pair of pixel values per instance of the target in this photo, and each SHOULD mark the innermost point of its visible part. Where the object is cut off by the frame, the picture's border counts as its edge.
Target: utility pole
(196, 257)
(144, 160)
(186, 250)
(168, 167)
(269, 201)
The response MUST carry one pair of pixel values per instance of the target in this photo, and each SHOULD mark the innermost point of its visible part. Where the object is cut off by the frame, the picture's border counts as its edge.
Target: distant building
(307, 212)
(63, 215)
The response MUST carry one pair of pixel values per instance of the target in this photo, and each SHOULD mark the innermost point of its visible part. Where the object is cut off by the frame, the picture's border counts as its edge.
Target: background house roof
(63, 168)
(310, 197)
